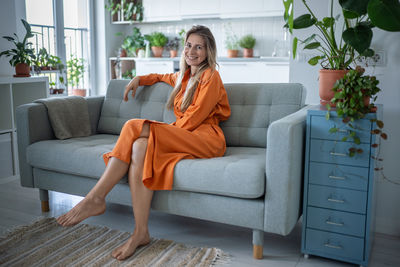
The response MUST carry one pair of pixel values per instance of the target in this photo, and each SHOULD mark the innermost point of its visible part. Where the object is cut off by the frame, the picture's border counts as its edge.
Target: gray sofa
(256, 184)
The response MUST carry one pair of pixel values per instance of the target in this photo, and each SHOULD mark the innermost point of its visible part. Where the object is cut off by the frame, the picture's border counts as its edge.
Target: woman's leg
(141, 201)
(94, 202)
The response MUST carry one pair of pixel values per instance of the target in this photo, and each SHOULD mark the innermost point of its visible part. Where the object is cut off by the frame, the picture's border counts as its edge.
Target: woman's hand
(132, 85)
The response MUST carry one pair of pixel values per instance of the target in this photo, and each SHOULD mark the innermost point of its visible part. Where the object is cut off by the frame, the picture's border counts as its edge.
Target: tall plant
(359, 17)
(21, 53)
(75, 70)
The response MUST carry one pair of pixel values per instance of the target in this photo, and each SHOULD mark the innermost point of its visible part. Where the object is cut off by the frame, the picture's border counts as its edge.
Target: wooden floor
(20, 205)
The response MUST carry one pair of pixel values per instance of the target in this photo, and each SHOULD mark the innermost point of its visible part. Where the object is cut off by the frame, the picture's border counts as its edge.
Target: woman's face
(195, 50)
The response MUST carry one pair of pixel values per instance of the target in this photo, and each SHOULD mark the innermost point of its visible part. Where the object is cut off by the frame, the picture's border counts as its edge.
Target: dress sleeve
(152, 78)
(204, 104)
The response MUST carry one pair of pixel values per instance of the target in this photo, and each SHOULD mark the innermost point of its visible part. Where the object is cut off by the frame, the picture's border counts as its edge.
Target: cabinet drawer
(338, 175)
(338, 152)
(320, 129)
(330, 244)
(337, 198)
(336, 221)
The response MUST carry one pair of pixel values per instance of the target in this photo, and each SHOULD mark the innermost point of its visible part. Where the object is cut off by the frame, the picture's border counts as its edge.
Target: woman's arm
(148, 80)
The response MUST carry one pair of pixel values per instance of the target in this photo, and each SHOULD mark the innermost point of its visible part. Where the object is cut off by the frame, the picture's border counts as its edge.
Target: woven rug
(45, 243)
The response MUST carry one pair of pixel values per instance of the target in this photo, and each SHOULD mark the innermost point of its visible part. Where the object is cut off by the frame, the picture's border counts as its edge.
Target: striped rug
(45, 243)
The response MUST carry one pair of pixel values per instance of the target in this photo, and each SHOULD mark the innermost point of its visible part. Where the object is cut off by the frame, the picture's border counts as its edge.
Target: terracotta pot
(79, 92)
(173, 53)
(327, 79)
(22, 70)
(248, 52)
(157, 51)
(123, 53)
(233, 53)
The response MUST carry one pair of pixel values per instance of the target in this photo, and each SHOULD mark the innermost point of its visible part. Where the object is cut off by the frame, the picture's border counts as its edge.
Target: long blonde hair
(209, 62)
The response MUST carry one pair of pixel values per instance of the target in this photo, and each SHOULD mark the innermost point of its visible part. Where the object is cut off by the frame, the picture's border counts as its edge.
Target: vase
(327, 79)
(233, 53)
(79, 92)
(247, 52)
(157, 51)
(173, 53)
(22, 70)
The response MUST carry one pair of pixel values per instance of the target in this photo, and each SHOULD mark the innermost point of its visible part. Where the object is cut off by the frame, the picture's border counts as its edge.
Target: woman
(149, 150)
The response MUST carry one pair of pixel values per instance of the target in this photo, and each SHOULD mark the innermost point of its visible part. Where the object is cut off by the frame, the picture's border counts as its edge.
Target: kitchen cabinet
(160, 10)
(254, 72)
(254, 8)
(144, 67)
(200, 9)
(338, 205)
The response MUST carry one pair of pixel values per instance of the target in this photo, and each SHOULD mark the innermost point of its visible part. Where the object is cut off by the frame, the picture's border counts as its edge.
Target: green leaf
(314, 61)
(350, 14)
(304, 21)
(356, 140)
(333, 130)
(295, 40)
(359, 37)
(385, 14)
(328, 21)
(327, 116)
(313, 45)
(357, 6)
(344, 139)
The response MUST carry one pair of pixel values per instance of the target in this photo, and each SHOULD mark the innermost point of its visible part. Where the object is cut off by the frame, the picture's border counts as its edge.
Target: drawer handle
(335, 200)
(338, 154)
(332, 246)
(334, 223)
(337, 177)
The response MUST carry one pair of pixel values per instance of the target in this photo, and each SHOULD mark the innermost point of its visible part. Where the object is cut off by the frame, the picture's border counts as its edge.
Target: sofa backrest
(254, 107)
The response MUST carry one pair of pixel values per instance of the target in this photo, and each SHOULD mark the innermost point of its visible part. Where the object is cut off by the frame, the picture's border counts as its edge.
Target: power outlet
(377, 60)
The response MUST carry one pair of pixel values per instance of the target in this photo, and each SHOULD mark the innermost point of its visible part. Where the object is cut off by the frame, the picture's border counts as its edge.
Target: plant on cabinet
(173, 46)
(157, 42)
(132, 43)
(353, 94)
(247, 42)
(22, 55)
(337, 56)
(75, 71)
(231, 41)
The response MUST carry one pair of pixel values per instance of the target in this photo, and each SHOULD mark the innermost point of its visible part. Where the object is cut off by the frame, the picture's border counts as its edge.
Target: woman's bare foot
(129, 247)
(89, 206)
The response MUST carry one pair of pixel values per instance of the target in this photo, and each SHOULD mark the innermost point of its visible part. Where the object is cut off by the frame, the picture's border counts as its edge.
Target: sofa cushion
(240, 173)
(254, 107)
(149, 103)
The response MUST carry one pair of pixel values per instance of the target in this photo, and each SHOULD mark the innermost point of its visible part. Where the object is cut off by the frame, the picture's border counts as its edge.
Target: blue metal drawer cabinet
(338, 190)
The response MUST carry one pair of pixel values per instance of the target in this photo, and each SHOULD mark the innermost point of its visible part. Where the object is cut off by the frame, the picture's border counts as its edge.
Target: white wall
(388, 194)
(11, 13)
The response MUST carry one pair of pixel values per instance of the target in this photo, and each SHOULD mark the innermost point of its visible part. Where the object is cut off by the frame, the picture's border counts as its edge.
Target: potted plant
(247, 42)
(133, 11)
(231, 42)
(337, 56)
(132, 43)
(75, 70)
(352, 97)
(157, 42)
(22, 55)
(115, 8)
(42, 60)
(173, 46)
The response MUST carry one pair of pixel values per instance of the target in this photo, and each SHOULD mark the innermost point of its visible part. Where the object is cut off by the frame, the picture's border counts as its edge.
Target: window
(62, 28)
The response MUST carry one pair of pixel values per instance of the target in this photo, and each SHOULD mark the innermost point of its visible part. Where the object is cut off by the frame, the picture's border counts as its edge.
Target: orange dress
(194, 134)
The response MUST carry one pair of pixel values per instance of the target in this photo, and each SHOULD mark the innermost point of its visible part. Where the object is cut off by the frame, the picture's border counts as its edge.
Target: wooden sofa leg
(45, 206)
(257, 252)
(258, 242)
(44, 198)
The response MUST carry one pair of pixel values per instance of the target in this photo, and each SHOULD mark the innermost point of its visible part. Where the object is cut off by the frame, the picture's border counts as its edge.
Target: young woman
(149, 150)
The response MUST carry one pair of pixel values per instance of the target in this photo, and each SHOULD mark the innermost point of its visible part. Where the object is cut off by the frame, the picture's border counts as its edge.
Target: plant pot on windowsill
(79, 92)
(157, 51)
(247, 52)
(173, 53)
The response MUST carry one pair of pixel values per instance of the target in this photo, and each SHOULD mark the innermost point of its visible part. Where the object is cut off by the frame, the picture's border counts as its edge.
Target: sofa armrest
(284, 172)
(33, 125)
